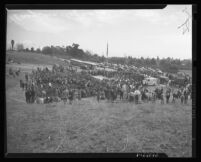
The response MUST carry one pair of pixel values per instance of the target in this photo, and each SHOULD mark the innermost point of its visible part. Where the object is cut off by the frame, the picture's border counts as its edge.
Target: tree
(47, 50)
(173, 69)
(20, 47)
(38, 50)
(74, 51)
(153, 62)
(32, 49)
(68, 49)
(102, 58)
(12, 43)
(75, 46)
(89, 53)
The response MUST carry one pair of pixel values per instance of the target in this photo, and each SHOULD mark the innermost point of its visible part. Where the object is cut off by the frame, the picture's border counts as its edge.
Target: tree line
(165, 64)
(73, 51)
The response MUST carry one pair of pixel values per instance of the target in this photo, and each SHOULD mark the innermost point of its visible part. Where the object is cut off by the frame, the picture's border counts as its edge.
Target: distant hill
(33, 58)
(51, 55)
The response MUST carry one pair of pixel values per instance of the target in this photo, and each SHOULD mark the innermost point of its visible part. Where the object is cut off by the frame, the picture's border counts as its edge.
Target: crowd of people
(59, 83)
(14, 73)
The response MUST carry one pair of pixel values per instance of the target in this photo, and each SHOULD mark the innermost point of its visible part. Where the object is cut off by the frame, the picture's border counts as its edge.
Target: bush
(169, 68)
(20, 47)
(38, 50)
(47, 50)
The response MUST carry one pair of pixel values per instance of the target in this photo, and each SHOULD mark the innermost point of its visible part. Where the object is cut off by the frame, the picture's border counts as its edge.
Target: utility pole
(107, 49)
(106, 58)
(107, 52)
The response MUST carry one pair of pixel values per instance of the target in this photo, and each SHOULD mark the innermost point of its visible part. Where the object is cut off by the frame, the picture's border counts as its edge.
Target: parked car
(151, 81)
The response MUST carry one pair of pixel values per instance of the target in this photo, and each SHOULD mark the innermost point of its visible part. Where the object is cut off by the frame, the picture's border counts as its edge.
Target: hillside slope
(33, 58)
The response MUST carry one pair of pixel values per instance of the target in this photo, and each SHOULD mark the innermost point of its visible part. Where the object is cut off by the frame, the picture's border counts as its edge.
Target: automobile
(150, 81)
(163, 79)
(83, 67)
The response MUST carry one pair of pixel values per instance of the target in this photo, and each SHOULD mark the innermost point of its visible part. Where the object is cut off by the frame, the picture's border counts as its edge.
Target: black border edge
(102, 6)
(85, 6)
(4, 114)
(194, 78)
(87, 155)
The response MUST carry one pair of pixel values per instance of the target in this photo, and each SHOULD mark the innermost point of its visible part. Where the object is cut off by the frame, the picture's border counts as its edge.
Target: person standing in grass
(185, 95)
(79, 94)
(32, 94)
(27, 95)
(182, 98)
(71, 96)
(168, 91)
(98, 95)
(26, 77)
(162, 96)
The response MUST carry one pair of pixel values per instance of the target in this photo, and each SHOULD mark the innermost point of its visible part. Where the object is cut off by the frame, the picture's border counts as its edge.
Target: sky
(137, 33)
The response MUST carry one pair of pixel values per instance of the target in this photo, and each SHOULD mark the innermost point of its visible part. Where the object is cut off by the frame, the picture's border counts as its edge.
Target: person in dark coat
(161, 96)
(26, 77)
(182, 98)
(27, 96)
(71, 93)
(32, 94)
(65, 95)
(21, 84)
(167, 95)
(98, 95)
(185, 96)
(79, 94)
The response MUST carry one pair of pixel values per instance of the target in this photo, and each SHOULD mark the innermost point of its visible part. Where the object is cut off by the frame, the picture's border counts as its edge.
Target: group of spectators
(66, 84)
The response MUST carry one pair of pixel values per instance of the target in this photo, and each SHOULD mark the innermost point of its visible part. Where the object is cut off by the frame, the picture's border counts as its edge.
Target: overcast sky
(136, 33)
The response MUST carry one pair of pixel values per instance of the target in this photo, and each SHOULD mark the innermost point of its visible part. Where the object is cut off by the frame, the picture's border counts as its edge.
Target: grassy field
(33, 58)
(89, 126)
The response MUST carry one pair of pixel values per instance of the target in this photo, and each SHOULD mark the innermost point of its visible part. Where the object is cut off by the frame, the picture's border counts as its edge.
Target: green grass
(88, 126)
